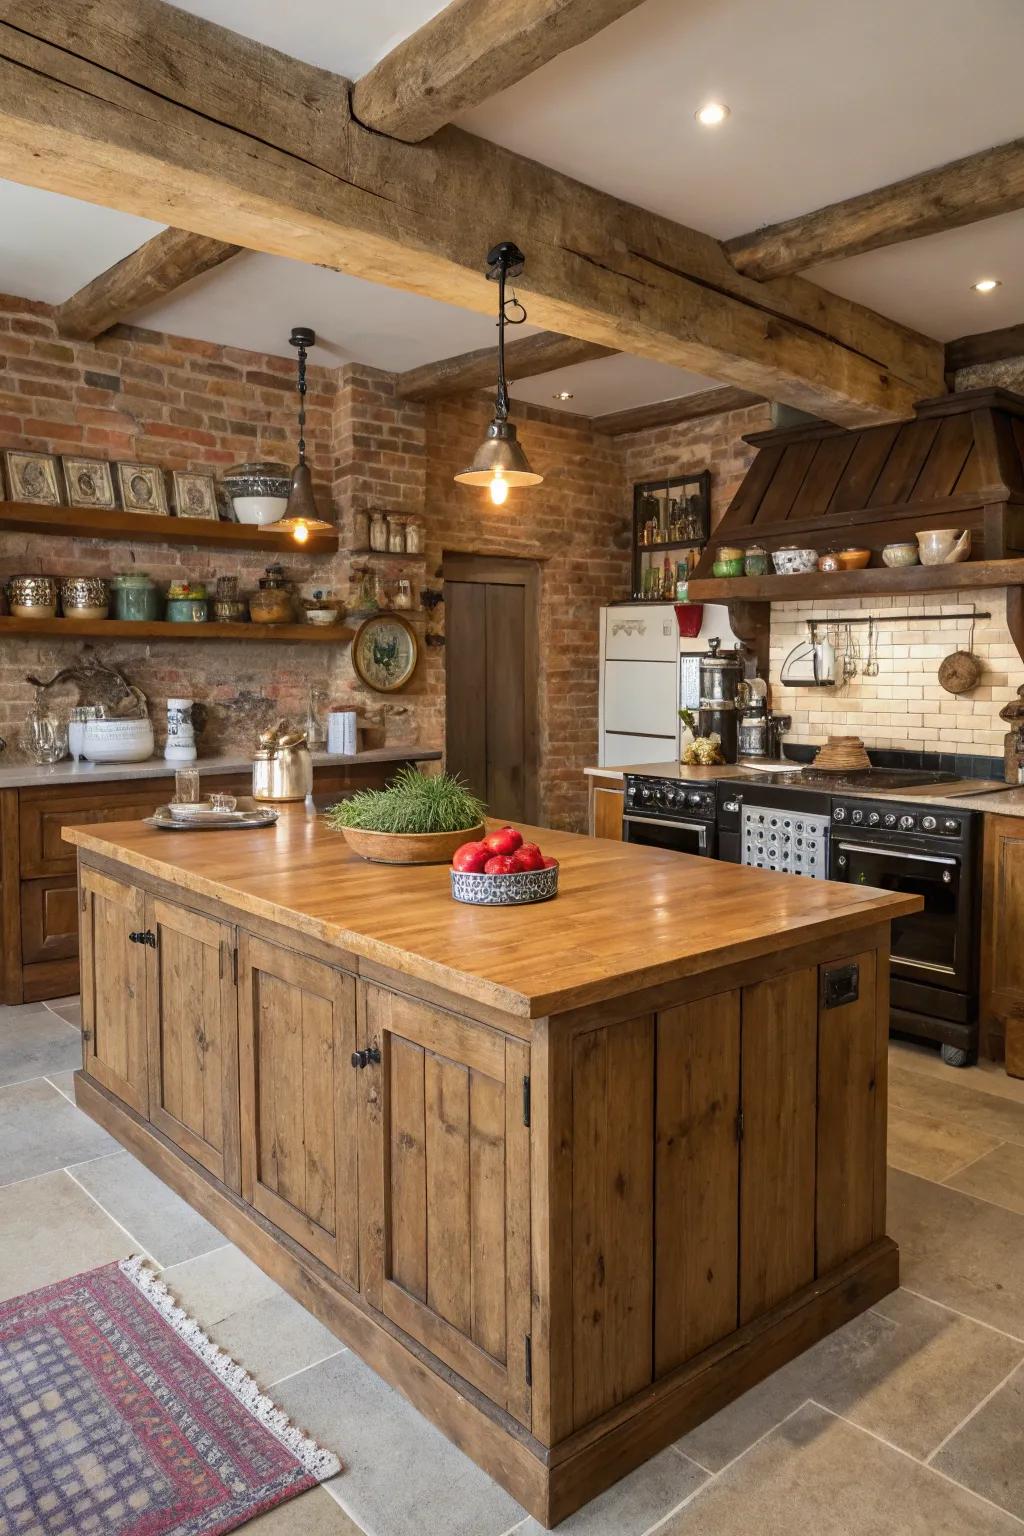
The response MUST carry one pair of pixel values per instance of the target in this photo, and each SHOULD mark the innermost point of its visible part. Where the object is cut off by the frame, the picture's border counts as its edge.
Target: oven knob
(842, 861)
(906, 823)
(839, 814)
(645, 794)
(928, 823)
(950, 825)
(890, 818)
(731, 806)
(694, 798)
(857, 816)
(874, 819)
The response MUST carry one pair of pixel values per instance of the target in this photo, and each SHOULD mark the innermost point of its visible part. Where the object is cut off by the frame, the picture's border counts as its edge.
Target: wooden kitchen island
(570, 1177)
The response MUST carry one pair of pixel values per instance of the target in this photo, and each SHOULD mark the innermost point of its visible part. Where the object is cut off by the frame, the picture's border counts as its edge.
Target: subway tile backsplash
(904, 708)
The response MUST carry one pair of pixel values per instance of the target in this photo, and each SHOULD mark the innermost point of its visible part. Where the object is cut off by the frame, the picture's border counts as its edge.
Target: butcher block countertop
(625, 916)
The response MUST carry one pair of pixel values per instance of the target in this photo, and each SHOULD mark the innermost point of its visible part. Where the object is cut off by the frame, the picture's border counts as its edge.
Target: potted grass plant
(419, 819)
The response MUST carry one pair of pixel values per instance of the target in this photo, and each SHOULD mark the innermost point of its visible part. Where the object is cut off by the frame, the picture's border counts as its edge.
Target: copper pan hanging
(960, 671)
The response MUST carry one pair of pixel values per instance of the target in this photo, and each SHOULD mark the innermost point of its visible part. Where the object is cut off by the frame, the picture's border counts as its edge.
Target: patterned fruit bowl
(513, 890)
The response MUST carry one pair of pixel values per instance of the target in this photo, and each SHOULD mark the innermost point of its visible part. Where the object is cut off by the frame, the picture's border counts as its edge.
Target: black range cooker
(799, 822)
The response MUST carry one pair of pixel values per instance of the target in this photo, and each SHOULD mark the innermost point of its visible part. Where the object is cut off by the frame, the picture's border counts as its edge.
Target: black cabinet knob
(145, 937)
(364, 1058)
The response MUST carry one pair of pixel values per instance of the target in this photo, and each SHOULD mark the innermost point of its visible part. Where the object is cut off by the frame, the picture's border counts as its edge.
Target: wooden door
(1002, 951)
(114, 986)
(193, 1036)
(446, 1178)
(853, 1041)
(779, 1139)
(491, 680)
(296, 1036)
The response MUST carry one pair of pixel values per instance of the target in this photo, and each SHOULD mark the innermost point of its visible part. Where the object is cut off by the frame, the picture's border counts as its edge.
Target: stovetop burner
(868, 778)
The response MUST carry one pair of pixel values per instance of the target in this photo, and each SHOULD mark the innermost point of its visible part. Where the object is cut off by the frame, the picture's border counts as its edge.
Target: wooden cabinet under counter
(1001, 1028)
(570, 1177)
(605, 800)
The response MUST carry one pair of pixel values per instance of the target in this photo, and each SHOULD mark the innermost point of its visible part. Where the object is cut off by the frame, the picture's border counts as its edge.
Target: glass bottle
(413, 538)
(402, 597)
(378, 532)
(396, 535)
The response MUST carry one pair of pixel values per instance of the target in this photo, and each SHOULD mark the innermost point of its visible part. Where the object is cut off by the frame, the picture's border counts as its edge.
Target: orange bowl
(853, 559)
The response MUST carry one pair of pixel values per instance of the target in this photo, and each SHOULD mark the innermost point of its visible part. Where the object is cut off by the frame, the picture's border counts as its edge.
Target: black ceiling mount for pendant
(500, 462)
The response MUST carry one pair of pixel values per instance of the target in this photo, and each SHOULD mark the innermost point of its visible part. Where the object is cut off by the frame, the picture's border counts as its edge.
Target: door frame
(509, 571)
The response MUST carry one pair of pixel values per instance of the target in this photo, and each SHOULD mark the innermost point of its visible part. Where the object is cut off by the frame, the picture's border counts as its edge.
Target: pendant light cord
(504, 318)
(302, 403)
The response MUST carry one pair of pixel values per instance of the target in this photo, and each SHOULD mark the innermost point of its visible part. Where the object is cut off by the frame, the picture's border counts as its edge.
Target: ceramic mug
(944, 546)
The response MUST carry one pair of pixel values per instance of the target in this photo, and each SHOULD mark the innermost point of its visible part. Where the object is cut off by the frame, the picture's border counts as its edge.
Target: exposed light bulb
(300, 533)
(499, 488)
(712, 113)
(986, 284)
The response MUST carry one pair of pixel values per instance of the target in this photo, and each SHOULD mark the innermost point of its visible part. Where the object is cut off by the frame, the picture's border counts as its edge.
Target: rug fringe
(318, 1463)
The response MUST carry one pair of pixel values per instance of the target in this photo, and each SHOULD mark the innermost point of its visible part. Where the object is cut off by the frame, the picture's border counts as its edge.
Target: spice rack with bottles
(670, 529)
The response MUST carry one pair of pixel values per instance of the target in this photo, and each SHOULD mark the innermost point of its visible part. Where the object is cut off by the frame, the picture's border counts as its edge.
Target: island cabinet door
(193, 1036)
(114, 986)
(446, 1183)
(296, 1038)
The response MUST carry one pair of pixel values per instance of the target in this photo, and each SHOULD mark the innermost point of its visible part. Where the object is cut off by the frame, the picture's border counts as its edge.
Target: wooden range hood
(959, 463)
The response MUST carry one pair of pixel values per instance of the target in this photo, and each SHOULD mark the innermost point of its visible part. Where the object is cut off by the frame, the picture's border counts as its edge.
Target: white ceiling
(827, 100)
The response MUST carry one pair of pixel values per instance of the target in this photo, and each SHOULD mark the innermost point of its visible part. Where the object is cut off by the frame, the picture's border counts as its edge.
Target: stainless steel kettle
(282, 768)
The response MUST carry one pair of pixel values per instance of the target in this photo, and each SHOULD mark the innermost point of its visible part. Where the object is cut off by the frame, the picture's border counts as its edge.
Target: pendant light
(300, 519)
(500, 462)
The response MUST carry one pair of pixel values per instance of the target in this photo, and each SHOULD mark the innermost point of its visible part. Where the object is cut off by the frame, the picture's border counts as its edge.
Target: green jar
(136, 597)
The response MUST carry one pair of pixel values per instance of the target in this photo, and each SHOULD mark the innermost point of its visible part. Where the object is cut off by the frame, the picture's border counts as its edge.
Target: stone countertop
(624, 917)
(22, 775)
(963, 794)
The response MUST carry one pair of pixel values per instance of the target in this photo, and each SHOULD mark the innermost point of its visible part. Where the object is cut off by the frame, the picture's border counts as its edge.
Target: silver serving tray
(247, 819)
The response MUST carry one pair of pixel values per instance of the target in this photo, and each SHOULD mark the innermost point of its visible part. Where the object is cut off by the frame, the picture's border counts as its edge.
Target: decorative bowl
(321, 616)
(187, 610)
(260, 477)
(260, 509)
(409, 847)
(516, 890)
(32, 597)
(729, 552)
(829, 562)
(118, 741)
(853, 559)
(84, 597)
(230, 610)
(271, 605)
(896, 556)
(944, 546)
(791, 561)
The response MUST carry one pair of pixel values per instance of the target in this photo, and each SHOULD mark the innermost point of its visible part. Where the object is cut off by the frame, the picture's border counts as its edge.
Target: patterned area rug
(119, 1417)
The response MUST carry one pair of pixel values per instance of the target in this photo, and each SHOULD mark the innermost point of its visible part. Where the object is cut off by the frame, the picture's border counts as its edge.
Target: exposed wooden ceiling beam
(985, 347)
(666, 413)
(171, 258)
(524, 358)
(977, 187)
(191, 130)
(468, 52)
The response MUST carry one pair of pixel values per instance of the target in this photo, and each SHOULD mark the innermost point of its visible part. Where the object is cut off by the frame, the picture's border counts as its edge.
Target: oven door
(677, 836)
(934, 945)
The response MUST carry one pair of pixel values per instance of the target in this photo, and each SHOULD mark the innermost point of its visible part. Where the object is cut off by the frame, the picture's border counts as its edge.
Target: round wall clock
(385, 651)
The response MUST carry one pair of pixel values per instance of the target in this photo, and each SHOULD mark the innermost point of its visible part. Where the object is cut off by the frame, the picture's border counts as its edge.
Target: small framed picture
(33, 477)
(89, 482)
(195, 495)
(143, 488)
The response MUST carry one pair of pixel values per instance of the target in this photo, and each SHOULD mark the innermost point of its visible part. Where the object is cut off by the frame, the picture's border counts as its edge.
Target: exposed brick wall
(711, 442)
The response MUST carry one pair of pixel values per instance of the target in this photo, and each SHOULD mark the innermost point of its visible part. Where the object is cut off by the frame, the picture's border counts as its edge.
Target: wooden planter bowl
(409, 847)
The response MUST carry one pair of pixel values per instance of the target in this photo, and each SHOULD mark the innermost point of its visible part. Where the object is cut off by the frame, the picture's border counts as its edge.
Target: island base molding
(550, 1482)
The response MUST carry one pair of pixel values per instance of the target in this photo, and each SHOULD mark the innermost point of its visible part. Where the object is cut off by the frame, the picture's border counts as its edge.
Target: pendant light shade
(500, 463)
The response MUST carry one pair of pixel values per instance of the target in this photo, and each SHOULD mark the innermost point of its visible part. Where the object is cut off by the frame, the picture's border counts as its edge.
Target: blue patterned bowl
(505, 890)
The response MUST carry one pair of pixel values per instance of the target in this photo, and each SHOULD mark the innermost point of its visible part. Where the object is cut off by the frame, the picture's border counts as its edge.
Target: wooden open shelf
(144, 528)
(128, 629)
(385, 554)
(871, 582)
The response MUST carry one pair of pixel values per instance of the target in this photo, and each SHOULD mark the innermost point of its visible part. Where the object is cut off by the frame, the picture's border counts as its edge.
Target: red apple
(505, 840)
(471, 858)
(529, 856)
(550, 863)
(500, 864)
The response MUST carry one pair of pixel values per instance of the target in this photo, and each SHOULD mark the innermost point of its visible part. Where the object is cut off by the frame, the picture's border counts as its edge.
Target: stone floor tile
(999, 1177)
(50, 1229)
(311, 1514)
(276, 1338)
(168, 1229)
(986, 1454)
(933, 1148)
(955, 1102)
(217, 1284)
(68, 1008)
(986, 1076)
(816, 1475)
(908, 1371)
(632, 1506)
(960, 1251)
(400, 1476)
(35, 1042)
(64, 1082)
(40, 1130)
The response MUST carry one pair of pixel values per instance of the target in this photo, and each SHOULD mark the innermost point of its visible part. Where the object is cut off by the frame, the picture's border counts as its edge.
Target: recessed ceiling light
(712, 113)
(563, 394)
(986, 284)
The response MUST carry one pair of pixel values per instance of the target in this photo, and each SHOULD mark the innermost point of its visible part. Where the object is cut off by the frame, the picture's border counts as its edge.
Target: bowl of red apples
(502, 871)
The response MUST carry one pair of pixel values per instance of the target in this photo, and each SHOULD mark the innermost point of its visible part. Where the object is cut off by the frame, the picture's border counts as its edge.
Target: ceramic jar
(32, 597)
(136, 597)
(895, 556)
(84, 597)
(944, 546)
(259, 491)
(755, 561)
(791, 561)
(180, 746)
(396, 535)
(413, 538)
(378, 533)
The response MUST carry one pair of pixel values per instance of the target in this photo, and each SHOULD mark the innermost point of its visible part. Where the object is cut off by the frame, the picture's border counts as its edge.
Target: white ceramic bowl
(321, 615)
(118, 741)
(259, 509)
(794, 562)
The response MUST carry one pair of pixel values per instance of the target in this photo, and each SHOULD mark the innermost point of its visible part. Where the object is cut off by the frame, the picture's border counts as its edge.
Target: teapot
(282, 768)
(944, 546)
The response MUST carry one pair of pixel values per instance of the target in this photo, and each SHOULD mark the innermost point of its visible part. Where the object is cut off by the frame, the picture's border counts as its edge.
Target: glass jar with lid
(136, 597)
(396, 535)
(378, 532)
(402, 594)
(413, 537)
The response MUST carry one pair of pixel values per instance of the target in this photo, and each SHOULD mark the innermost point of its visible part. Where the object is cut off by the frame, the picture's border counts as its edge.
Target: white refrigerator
(647, 674)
